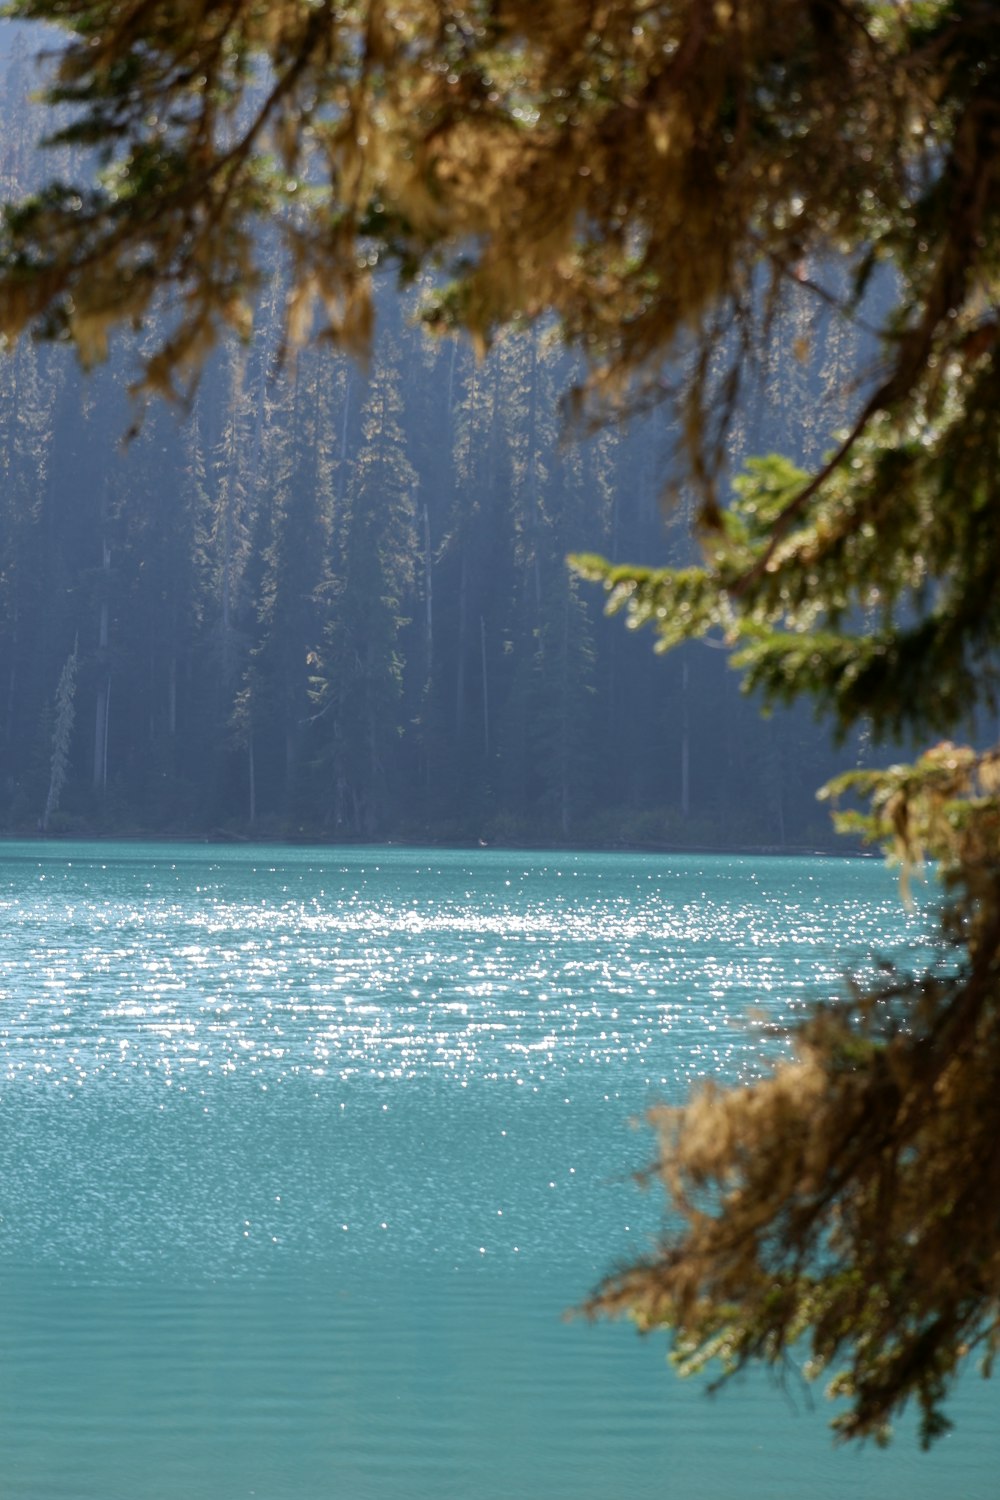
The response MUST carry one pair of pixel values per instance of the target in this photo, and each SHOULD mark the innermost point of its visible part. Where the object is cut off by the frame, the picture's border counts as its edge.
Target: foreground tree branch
(843, 1210)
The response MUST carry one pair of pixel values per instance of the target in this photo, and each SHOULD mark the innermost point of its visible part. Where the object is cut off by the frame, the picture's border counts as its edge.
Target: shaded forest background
(333, 603)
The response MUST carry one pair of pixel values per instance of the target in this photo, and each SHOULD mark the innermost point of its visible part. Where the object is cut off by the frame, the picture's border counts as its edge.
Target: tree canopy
(662, 178)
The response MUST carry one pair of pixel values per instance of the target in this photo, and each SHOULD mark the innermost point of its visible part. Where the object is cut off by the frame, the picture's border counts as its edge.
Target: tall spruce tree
(296, 522)
(361, 671)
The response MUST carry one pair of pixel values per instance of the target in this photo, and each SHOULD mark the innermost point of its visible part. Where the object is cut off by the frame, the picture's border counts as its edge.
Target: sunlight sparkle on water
(329, 970)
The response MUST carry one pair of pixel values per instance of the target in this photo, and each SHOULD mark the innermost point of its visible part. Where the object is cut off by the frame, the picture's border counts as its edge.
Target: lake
(304, 1153)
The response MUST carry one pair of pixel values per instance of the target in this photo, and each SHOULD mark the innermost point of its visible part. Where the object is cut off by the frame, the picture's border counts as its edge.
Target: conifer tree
(360, 684)
(296, 523)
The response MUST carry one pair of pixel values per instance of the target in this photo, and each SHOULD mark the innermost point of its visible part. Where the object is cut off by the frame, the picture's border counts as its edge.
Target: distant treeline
(332, 602)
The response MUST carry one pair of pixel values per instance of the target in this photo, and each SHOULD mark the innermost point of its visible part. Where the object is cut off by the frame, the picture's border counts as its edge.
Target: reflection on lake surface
(303, 1152)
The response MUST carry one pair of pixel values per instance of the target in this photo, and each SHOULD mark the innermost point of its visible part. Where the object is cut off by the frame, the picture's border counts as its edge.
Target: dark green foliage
(308, 643)
(336, 607)
(336, 604)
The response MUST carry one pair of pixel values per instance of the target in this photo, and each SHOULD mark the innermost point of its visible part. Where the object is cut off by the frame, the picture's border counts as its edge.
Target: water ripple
(404, 964)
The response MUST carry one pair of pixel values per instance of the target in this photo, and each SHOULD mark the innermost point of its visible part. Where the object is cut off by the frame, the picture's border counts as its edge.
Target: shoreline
(221, 838)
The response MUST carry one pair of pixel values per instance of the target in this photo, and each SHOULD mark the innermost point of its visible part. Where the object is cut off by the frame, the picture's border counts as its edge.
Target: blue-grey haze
(303, 1153)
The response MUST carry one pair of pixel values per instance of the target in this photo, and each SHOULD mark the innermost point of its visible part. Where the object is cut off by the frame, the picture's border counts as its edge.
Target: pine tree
(290, 598)
(361, 670)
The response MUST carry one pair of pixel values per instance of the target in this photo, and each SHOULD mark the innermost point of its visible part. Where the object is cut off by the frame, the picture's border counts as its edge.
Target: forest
(330, 600)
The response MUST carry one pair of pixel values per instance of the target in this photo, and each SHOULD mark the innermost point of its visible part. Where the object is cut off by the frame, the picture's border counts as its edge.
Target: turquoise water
(304, 1152)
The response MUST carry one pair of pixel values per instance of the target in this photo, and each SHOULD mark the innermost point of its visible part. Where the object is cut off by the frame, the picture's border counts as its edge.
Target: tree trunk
(172, 696)
(460, 674)
(428, 600)
(685, 746)
(103, 705)
(252, 776)
(486, 688)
